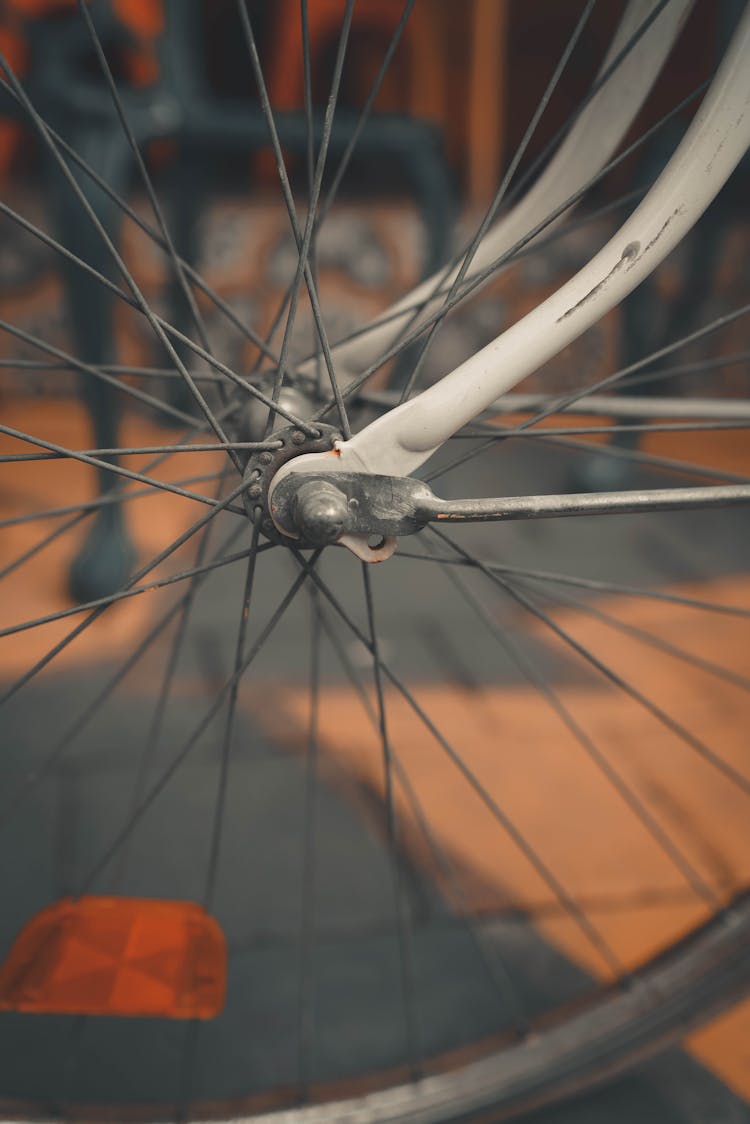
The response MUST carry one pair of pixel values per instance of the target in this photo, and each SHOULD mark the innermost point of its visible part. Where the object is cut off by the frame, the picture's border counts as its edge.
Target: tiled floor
(475, 692)
(492, 714)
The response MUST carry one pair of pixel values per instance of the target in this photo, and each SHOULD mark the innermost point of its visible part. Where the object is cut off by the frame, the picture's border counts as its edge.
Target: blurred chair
(166, 95)
(46, 46)
(426, 89)
(421, 115)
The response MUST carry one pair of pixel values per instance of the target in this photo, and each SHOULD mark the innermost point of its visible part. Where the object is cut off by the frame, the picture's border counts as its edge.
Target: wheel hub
(317, 514)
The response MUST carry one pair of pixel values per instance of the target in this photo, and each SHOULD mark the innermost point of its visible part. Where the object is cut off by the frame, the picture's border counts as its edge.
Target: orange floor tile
(559, 798)
(562, 801)
(39, 586)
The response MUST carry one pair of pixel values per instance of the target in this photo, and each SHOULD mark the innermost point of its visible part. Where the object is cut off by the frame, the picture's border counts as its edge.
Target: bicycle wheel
(472, 823)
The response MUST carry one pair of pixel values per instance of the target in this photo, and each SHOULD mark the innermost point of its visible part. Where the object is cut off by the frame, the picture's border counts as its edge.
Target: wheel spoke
(545, 576)
(212, 870)
(306, 997)
(348, 153)
(566, 401)
(365, 112)
(141, 450)
(405, 336)
(38, 366)
(32, 551)
(310, 225)
(116, 469)
(598, 85)
(289, 201)
(492, 961)
(387, 699)
(84, 510)
(179, 272)
(97, 373)
(118, 496)
(569, 904)
(166, 776)
(499, 196)
(595, 754)
(192, 1035)
(698, 367)
(173, 332)
(590, 430)
(33, 778)
(667, 720)
(226, 309)
(412, 334)
(184, 607)
(622, 406)
(633, 456)
(406, 951)
(96, 613)
(141, 301)
(293, 290)
(725, 674)
(90, 506)
(124, 594)
(561, 231)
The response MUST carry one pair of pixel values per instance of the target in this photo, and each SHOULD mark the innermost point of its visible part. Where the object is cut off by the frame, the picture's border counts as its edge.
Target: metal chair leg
(107, 554)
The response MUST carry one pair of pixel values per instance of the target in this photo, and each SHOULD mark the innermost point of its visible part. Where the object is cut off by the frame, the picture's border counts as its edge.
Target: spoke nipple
(298, 437)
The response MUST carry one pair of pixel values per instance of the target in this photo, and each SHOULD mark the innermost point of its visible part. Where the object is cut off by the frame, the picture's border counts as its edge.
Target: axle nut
(319, 512)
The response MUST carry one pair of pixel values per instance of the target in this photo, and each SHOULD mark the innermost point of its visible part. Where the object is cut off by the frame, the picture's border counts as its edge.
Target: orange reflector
(117, 956)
